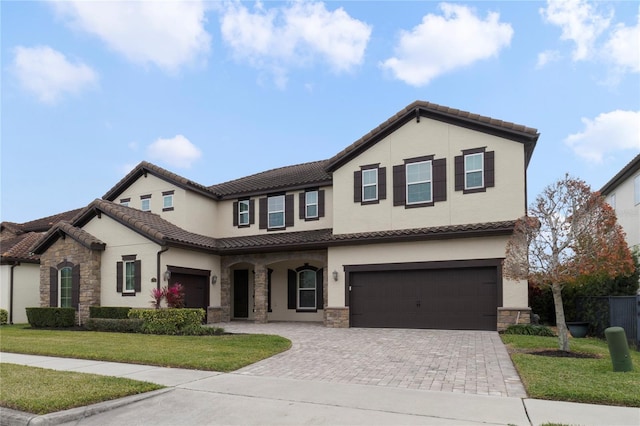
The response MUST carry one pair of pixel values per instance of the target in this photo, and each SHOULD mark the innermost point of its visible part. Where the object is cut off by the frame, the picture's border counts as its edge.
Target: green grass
(584, 380)
(41, 391)
(215, 353)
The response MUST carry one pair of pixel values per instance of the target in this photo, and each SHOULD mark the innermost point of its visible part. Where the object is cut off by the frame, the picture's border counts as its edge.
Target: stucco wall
(514, 293)
(505, 201)
(26, 284)
(628, 213)
(195, 260)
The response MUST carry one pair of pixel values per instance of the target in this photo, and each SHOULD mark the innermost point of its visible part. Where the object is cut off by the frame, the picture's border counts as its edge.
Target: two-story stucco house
(622, 192)
(406, 227)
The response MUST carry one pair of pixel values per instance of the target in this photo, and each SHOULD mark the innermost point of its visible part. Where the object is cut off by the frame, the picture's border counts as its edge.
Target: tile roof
(284, 178)
(66, 228)
(626, 172)
(145, 167)
(45, 223)
(275, 241)
(418, 109)
(18, 249)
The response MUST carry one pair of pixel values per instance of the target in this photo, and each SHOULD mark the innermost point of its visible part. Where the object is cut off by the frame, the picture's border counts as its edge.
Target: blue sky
(214, 91)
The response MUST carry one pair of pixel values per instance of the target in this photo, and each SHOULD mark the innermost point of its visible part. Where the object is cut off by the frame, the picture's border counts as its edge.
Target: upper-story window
(419, 182)
(474, 170)
(612, 200)
(167, 201)
(243, 212)
(311, 204)
(276, 212)
(636, 190)
(145, 202)
(369, 184)
(125, 202)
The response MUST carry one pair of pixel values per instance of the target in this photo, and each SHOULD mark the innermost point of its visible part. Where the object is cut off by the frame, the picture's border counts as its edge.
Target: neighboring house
(622, 192)
(19, 268)
(406, 227)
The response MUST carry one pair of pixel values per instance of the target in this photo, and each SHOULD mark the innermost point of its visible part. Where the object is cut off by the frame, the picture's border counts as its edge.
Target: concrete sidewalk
(208, 398)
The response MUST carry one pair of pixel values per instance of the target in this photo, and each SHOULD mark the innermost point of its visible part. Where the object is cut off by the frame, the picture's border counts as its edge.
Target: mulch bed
(557, 353)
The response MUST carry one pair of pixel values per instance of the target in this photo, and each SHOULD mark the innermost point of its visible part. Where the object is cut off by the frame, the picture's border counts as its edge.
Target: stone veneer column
(512, 316)
(225, 293)
(261, 304)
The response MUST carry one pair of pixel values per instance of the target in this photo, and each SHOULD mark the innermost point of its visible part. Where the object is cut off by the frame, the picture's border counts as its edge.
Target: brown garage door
(453, 299)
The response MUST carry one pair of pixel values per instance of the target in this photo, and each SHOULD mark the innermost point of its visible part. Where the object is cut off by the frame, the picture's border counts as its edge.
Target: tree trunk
(563, 333)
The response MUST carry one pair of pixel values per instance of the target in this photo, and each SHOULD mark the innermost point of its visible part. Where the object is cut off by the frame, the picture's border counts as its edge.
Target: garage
(460, 295)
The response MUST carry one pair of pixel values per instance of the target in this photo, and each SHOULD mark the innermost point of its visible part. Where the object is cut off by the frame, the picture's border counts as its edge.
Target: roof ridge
(269, 171)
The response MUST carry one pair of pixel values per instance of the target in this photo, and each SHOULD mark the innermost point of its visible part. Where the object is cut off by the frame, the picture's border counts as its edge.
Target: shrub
(51, 317)
(113, 312)
(4, 316)
(118, 325)
(169, 321)
(529, 330)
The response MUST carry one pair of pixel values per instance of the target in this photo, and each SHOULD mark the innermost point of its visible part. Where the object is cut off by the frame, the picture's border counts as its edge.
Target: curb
(11, 417)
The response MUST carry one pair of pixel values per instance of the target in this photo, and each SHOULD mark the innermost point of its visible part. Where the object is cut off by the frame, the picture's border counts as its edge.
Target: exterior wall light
(167, 275)
(214, 279)
(335, 275)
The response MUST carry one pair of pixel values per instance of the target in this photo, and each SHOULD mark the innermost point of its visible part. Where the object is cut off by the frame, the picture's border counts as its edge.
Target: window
(66, 285)
(129, 276)
(419, 182)
(243, 212)
(473, 171)
(125, 202)
(145, 203)
(311, 204)
(276, 211)
(167, 201)
(636, 190)
(612, 201)
(307, 289)
(369, 185)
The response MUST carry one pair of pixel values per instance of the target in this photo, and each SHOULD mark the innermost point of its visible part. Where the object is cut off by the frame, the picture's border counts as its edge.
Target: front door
(241, 293)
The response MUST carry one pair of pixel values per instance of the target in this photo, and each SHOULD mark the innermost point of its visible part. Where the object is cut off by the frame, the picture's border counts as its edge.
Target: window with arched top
(66, 285)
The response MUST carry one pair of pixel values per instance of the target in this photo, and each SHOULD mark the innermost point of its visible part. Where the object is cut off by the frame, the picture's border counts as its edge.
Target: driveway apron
(472, 362)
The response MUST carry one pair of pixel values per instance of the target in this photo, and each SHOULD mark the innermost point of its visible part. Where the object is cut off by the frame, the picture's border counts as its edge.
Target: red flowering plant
(175, 296)
(157, 295)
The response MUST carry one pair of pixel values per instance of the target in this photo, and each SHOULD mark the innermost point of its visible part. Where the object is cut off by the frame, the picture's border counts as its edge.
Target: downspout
(11, 292)
(158, 276)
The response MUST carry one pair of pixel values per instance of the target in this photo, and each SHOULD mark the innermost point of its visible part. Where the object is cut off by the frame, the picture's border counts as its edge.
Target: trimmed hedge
(51, 317)
(118, 325)
(170, 321)
(529, 330)
(112, 312)
(4, 316)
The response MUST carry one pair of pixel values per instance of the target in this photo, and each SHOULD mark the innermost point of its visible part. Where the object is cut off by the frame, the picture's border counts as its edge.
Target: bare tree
(569, 232)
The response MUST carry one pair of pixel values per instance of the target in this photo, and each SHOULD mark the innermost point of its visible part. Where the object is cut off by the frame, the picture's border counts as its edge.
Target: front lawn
(215, 353)
(41, 391)
(587, 380)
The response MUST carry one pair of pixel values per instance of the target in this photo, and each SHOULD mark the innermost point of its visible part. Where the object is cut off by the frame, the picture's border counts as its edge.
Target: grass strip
(41, 391)
(586, 380)
(214, 353)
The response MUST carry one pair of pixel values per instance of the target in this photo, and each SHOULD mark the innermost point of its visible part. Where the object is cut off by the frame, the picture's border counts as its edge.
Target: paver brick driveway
(441, 360)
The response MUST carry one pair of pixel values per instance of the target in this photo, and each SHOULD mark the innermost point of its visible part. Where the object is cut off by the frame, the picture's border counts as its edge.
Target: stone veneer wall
(89, 260)
(336, 317)
(512, 316)
(214, 315)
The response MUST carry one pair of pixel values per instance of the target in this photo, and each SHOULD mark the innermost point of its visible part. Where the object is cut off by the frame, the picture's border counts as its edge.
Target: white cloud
(608, 132)
(546, 57)
(48, 74)
(299, 34)
(580, 22)
(623, 47)
(177, 151)
(444, 43)
(167, 34)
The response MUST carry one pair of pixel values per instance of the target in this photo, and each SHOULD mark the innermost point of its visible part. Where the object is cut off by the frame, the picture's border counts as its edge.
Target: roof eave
(266, 191)
(626, 172)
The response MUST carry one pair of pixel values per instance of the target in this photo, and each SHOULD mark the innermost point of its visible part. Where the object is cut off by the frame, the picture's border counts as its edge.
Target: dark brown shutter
(75, 286)
(137, 276)
(288, 210)
(399, 183)
(292, 284)
(119, 277)
(439, 180)
(319, 294)
(302, 207)
(53, 287)
(321, 203)
(263, 214)
(382, 183)
(458, 164)
(357, 186)
(235, 213)
(252, 212)
(489, 169)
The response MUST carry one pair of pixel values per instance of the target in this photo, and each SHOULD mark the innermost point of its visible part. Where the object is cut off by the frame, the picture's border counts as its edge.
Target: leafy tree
(569, 232)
